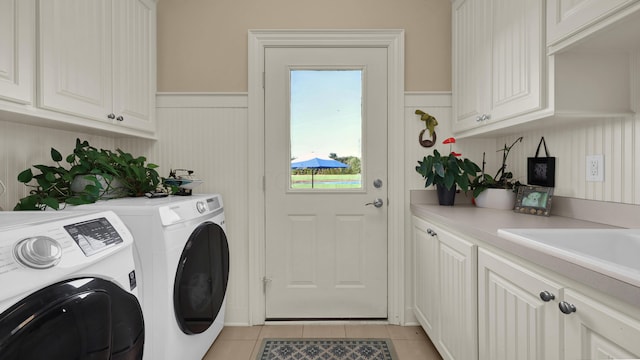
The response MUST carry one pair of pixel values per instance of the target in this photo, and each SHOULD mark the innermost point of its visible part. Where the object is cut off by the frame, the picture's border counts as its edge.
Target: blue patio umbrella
(317, 163)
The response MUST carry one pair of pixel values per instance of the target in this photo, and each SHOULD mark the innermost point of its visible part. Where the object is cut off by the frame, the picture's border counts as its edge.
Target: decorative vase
(446, 196)
(502, 199)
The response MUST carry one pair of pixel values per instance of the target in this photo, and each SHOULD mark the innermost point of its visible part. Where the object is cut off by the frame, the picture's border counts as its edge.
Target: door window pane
(326, 129)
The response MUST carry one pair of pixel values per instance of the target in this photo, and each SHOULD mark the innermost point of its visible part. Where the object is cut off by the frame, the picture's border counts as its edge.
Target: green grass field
(321, 181)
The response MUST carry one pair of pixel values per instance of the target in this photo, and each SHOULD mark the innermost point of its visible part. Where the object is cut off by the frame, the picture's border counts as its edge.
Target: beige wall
(202, 44)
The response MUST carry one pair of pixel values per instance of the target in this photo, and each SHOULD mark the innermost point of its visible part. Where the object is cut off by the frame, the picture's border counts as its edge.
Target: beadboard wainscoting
(23, 145)
(207, 132)
(615, 138)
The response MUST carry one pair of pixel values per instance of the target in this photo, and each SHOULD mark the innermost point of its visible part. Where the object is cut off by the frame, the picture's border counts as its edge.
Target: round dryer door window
(201, 278)
(85, 318)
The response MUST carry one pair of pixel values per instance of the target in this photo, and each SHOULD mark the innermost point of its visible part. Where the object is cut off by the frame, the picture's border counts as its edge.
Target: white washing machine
(68, 287)
(181, 247)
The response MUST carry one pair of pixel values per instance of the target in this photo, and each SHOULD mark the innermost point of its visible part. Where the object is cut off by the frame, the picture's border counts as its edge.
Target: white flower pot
(115, 190)
(503, 199)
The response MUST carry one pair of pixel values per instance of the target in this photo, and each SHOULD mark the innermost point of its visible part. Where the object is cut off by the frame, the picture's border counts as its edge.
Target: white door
(326, 251)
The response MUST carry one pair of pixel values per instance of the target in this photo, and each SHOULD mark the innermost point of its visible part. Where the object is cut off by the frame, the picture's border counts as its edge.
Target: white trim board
(393, 40)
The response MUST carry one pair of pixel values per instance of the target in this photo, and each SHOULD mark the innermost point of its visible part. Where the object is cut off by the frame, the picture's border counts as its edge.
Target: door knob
(377, 203)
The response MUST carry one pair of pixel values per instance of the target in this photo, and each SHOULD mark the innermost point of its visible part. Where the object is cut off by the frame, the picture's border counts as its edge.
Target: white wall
(22, 146)
(615, 138)
(208, 134)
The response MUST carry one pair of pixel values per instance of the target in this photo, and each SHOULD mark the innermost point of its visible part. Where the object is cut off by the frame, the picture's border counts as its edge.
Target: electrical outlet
(595, 168)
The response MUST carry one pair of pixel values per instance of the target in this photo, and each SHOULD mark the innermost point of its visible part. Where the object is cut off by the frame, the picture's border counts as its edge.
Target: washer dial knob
(201, 207)
(39, 252)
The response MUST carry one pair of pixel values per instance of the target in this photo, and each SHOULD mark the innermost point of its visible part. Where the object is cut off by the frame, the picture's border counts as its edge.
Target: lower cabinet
(479, 303)
(445, 292)
(425, 279)
(598, 331)
(518, 315)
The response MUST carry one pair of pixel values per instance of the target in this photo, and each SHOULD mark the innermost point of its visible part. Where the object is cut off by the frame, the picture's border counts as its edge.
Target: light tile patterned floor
(243, 343)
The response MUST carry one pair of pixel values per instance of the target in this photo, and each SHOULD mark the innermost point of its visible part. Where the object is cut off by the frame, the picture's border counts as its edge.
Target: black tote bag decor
(541, 170)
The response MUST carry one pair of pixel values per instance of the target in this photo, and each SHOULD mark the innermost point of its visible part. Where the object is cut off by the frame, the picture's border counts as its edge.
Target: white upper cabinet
(566, 18)
(17, 50)
(134, 62)
(97, 60)
(75, 57)
(498, 60)
(469, 64)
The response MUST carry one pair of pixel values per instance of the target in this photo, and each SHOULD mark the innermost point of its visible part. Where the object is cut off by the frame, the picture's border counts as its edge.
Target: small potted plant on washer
(447, 172)
(92, 174)
(498, 191)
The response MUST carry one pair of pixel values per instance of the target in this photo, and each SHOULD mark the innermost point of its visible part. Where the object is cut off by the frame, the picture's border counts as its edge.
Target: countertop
(482, 224)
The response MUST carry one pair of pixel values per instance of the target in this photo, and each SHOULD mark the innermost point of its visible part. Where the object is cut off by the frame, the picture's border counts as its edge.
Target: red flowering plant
(449, 170)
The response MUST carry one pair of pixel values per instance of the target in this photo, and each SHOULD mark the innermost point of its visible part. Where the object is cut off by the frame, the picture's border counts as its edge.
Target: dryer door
(201, 279)
(85, 318)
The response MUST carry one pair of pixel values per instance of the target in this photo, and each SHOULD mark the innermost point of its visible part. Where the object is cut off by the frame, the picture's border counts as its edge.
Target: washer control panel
(42, 244)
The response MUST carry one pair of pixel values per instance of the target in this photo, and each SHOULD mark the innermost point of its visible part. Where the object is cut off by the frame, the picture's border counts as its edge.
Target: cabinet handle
(566, 307)
(431, 232)
(483, 117)
(120, 118)
(547, 296)
(111, 116)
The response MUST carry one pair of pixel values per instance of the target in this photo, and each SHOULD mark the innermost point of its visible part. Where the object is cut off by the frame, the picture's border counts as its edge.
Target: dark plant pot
(446, 196)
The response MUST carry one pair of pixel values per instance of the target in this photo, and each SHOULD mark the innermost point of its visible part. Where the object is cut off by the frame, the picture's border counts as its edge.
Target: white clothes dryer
(181, 247)
(69, 287)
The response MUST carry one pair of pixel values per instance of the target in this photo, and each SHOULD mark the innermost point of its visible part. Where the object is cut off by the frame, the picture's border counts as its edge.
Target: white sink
(613, 252)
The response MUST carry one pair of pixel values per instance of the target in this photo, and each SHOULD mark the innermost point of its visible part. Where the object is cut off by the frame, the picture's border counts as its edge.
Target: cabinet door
(457, 326)
(425, 275)
(567, 17)
(470, 77)
(597, 331)
(517, 50)
(134, 69)
(513, 321)
(499, 62)
(17, 50)
(75, 57)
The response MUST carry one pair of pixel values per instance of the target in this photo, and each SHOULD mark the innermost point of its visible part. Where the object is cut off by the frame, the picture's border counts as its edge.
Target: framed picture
(541, 170)
(534, 200)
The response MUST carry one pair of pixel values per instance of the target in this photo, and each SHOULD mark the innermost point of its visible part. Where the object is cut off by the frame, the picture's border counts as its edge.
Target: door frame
(393, 41)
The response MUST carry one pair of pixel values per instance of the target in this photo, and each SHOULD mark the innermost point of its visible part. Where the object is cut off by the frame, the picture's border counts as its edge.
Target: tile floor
(243, 343)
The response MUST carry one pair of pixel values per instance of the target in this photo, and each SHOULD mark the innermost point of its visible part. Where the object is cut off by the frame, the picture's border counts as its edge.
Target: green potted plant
(447, 172)
(498, 191)
(91, 174)
(134, 175)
